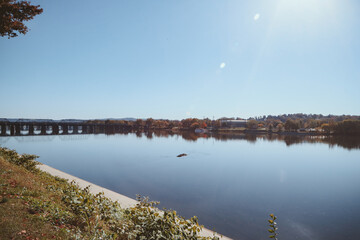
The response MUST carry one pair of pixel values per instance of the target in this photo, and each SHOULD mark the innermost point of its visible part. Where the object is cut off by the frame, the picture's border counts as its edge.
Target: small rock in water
(182, 155)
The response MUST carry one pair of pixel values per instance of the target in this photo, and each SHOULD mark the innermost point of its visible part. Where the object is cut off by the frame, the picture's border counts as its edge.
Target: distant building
(233, 123)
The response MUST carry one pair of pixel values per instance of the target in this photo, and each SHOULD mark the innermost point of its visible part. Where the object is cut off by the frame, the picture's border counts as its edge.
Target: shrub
(147, 222)
(25, 160)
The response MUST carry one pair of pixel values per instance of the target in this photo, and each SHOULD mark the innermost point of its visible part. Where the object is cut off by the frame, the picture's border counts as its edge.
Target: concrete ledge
(124, 201)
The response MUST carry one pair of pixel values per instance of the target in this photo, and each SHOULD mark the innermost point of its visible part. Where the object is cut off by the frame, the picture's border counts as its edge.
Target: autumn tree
(186, 123)
(160, 124)
(149, 123)
(139, 123)
(194, 125)
(13, 14)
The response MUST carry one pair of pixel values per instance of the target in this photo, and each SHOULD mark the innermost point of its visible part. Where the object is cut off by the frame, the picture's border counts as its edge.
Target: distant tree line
(304, 117)
(349, 125)
(159, 124)
(330, 124)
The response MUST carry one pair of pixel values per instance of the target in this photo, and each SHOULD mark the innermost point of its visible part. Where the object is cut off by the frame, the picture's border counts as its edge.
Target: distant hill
(303, 116)
(61, 120)
(24, 120)
(117, 119)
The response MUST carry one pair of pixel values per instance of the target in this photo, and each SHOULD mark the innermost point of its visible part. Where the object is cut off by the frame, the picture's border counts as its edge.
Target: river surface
(232, 183)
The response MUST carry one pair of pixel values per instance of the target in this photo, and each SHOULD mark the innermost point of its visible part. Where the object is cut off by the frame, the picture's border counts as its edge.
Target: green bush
(92, 210)
(145, 221)
(25, 160)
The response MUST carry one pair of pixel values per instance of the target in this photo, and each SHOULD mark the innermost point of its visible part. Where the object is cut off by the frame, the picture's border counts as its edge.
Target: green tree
(291, 125)
(311, 123)
(13, 14)
(350, 127)
(252, 124)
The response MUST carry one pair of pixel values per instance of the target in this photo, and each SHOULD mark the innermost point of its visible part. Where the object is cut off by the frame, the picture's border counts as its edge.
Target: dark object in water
(182, 155)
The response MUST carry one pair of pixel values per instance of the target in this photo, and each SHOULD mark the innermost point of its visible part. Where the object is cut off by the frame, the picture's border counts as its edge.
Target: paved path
(124, 201)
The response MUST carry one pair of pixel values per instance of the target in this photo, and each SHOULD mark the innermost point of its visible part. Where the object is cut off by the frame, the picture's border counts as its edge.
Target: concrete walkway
(124, 201)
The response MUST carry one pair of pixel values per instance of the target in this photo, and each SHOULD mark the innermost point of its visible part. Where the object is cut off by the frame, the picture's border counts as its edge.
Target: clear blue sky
(179, 59)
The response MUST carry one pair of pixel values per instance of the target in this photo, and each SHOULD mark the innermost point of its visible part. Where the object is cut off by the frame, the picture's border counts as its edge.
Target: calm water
(230, 182)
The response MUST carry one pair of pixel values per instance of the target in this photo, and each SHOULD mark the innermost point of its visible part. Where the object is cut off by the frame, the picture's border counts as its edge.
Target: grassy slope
(16, 221)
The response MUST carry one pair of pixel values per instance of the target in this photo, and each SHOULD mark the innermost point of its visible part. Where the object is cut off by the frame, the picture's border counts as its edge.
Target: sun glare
(307, 8)
(308, 15)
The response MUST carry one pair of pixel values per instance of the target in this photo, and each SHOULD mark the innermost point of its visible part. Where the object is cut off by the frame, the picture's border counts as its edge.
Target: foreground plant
(25, 160)
(273, 227)
(148, 222)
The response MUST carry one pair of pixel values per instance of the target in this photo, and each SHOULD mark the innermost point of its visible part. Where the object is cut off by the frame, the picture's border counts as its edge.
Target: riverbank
(124, 201)
(52, 204)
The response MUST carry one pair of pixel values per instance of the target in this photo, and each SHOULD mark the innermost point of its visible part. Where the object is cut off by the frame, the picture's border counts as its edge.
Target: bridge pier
(12, 130)
(43, 130)
(109, 129)
(31, 129)
(90, 129)
(55, 129)
(65, 129)
(17, 129)
(3, 129)
(84, 129)
(100, 129)
(75, 129)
